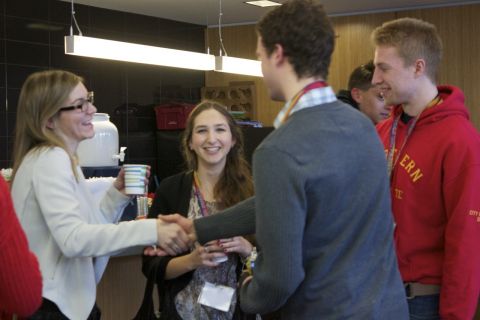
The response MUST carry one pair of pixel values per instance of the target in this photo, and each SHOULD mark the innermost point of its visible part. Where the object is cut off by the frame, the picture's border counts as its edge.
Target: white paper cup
(220, 259)
(135, 178)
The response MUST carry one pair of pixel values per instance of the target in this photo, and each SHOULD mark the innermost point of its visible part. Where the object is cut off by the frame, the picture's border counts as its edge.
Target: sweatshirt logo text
(476, 214)
(406, 162)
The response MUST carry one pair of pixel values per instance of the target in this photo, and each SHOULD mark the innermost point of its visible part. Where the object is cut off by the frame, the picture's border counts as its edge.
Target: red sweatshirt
(435, 188)
(20, 278)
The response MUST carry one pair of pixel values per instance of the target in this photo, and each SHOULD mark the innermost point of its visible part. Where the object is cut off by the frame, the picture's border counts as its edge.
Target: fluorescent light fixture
(44, 26)
(131, 52)
(263, 3)
(238, 65)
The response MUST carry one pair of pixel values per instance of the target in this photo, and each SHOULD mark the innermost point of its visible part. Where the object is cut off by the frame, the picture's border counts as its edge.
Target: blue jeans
(424, 307)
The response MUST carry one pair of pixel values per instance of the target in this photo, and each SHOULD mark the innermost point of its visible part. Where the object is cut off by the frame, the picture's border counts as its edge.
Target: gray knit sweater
(323, 221)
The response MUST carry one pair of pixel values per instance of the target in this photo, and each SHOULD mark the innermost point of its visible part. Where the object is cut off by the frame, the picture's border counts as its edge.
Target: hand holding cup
(210, 255)
(238, 245)
(214, 248)
(135, 178)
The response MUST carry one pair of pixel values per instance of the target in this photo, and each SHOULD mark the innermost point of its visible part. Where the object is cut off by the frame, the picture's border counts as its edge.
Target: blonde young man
(433, 156)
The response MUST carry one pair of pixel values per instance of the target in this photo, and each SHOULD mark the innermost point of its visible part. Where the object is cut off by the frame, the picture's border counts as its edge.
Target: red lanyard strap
(311, 86)
(391, 160)
(201, 201)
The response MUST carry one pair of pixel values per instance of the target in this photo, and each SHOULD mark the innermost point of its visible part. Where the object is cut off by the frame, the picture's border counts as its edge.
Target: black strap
(147, 311)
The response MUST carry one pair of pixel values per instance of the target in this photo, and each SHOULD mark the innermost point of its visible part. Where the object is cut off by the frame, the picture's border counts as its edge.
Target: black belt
(416, 289)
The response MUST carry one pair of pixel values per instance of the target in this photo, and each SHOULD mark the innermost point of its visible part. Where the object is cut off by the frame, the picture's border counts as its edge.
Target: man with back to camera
(365, 96)
(323, 221)
(433, 156)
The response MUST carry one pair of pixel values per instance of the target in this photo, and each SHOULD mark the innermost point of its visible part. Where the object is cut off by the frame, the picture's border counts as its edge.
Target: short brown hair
(414, 39)
(361, 77)
(304, 31)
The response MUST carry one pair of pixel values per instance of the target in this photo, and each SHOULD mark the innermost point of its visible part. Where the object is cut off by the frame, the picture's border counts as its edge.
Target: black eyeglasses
(83, 105)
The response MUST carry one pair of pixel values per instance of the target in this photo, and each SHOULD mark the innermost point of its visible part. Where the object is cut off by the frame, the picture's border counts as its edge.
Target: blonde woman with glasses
(71, 234)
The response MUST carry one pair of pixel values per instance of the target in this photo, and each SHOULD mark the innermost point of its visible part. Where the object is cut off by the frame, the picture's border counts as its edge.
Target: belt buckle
(408, 291)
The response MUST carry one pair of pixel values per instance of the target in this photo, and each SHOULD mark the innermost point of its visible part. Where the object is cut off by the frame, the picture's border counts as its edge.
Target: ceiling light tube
(263, 3)
(131, 52)
(238, 65)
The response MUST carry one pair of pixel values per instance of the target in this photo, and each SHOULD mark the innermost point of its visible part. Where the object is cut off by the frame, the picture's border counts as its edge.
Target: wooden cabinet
(120, 292)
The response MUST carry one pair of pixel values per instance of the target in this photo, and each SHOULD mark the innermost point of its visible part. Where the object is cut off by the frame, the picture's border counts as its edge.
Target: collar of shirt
(310, 99)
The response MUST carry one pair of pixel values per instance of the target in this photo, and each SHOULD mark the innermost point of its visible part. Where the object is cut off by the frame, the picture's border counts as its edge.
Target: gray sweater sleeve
(238, 220)
(281, 213)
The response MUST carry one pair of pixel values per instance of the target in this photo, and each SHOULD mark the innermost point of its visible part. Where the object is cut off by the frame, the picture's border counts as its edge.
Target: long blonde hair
(41, 97)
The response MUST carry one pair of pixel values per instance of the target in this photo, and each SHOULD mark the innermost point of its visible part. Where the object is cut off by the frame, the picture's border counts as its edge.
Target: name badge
(216, 296)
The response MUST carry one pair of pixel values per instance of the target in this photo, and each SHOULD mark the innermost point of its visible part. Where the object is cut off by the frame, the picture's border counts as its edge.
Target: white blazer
(71, 233)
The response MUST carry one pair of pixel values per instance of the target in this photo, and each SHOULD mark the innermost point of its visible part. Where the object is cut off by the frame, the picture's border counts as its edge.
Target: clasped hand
(176, 234)
(172, 239)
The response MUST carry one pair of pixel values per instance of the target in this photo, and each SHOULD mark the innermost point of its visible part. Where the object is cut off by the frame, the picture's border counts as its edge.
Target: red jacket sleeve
(461, 270)
(20, 277)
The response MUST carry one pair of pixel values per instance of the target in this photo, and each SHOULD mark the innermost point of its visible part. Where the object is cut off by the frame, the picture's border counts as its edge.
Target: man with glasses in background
(365, 96)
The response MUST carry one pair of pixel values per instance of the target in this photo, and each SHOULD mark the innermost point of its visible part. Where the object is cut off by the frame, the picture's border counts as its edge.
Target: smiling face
(396, 79)
(73, 126)
(211, 139)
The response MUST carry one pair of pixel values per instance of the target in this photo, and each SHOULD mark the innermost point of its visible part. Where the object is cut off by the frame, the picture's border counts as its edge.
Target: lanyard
(198, 195)
(311, 86)
(393, 134)
(391, 162)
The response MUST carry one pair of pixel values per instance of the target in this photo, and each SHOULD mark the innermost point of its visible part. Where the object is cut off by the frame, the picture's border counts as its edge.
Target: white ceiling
(206, 12)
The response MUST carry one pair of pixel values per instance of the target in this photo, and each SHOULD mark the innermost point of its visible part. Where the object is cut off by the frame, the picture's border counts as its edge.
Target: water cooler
(99, 156)
(102, 150)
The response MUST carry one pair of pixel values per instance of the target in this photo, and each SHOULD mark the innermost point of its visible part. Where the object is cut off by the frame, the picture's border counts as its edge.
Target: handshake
(175, 234)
